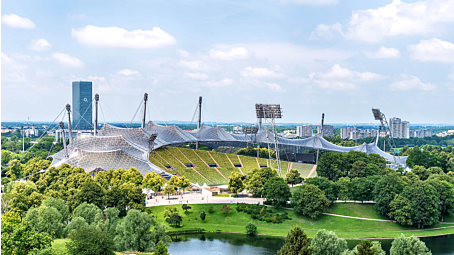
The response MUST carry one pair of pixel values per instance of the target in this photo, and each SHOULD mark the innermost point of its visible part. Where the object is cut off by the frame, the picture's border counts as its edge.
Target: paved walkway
(201, 199)
(358, 218)
(312, 171)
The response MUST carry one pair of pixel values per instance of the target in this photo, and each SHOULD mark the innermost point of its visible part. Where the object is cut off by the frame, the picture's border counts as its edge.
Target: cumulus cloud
(338, 78)
(260, 72)
(434, 50)
(235, 53)
(396, 18)
(67, 60)
(327, 32)
(76, 16)
(383, 52)
(39, 45)
(14, 21)
(127, 72)
(115, 37)
(5, 59)
(183, 53)
(274, 86)
(222, 83)
(196, 65)
(196, 76)
(311, 2)
(410, 82)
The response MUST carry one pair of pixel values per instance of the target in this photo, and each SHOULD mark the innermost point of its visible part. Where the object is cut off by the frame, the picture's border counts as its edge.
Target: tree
(358, 169)
(125, 196)
(408, 246)
(366, 247)
(59, 205)
(111, 219)
(251, 229)
(226, 208)
(35, 165)
(103, 178)
(401, 210)
(385, 190)
(153, 181)
(277, 191)
(183, 182)
(342, 186)
(258, 178)
(372, 169)
(296, 243)
(90, 212)
(175, 219)
(445, 191)
(161, 249)
(330, 166)
(90, 240)
(421, 171)
(75, 224)
(309, 200)
(14, 170)
(293, 177)
(134, 234)
(21, 239)
(92, 193)
(327, 186)
(25, 196)
(186, 207)
(203, 216)
(45, 219)
(132, 175)
(235, 182)
(169, 210)
(326, 242)
(5, 155)
(425, 203)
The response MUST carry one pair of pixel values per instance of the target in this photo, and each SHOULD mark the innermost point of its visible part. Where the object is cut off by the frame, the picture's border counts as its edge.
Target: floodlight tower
(199, 119)
(151, 140)
(269, 113)
(68, 109)
(321, 135)
(378, 115)
(145, 99)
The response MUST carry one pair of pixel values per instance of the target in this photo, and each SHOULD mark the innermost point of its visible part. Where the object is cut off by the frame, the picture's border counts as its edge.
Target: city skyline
(311, 59)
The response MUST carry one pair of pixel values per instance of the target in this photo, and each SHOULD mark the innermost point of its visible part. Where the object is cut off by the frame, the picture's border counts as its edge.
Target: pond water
(223, 244)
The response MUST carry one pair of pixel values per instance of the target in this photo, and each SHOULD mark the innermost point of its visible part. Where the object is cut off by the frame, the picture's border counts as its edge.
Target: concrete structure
(82, 105)
(345, 132)
(238, 129)
(304, 131)
(399, 128)
(328, 130)
(421, 133)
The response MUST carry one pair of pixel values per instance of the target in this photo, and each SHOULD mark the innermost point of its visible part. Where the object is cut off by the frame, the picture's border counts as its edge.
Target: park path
(352, 217)
(312, 171)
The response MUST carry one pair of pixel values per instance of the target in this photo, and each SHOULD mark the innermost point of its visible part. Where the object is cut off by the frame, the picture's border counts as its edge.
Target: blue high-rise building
(82, 106)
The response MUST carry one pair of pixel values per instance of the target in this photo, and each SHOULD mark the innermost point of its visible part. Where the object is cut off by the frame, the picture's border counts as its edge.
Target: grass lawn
(356, 210)
(344, 227)
(59, 246)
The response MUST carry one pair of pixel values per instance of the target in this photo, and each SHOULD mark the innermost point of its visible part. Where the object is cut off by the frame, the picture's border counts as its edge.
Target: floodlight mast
(199, 120)
(62, 126)
(68, 108)
(378, 115)
(269, 113)
(321, 134)
(96, 114)
(145, 99)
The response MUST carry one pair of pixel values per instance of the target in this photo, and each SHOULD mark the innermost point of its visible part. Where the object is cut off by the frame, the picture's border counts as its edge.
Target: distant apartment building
(345, 132)
(421, 133)
(354, 133)
(237, 129)
(30, 131)
(304, 131)
(399, 128)
(328, 130)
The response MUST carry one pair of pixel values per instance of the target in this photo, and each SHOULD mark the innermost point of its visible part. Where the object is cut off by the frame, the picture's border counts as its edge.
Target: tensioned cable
(206, 111)
(84, 113)
(136, 113)
(82, 118)
(102, 113)
(195, 112)
(158, 113)
(116, 115)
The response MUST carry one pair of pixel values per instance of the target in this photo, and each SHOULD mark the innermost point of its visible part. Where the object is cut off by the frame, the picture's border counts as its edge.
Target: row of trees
(430, 156)
(326, 242)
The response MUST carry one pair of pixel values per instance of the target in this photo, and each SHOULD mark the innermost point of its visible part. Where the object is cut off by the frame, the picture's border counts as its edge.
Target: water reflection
(223, 244)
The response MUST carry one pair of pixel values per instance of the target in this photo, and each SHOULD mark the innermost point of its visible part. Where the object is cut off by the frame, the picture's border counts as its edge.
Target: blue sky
(311, 56)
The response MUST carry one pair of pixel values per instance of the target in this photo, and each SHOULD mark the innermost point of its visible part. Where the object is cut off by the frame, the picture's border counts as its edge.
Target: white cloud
(337, 72)
(311, 2)
(222, 83)
(5, 59)
(396, 18)
(410, 82)
(39, 45)
(327, 32)
(76, 16)
(235, 53)
(44, 73)
(183, 53)
(260, 72)
(383, 52)
(67, 60)
(96, 78)
(195, 65)
(274, 87)
(15, 21)
(116, 37)
(432, 50)
(127, 72)
(196, 76)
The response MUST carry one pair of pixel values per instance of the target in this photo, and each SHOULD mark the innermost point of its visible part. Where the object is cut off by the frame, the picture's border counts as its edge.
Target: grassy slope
(304, 169)
(356, 210)
(210, 173)
(344, 227)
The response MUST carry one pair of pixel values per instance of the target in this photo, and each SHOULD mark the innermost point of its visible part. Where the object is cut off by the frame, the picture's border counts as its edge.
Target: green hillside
(213, 167)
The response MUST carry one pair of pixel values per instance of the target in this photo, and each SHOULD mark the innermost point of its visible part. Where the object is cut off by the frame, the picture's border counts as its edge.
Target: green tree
(91, 193)
(153, 181)
(226, 208)
(251, 229)
(125, 196)
(326, 242)
(35, 165)
(358, 169)
(445, 191)
(296, 243)
(186, 207)
(21, 239)
(90, 240)
(235, 182)
(366, 247)
(5, 155)
(161, 249)
(342, 186)
(309, 200)
(45, 219)
(425, 203)
(111, 219)
(59, 205)
(24, 197)
(203, 216)
(408, 246)
(258, 178)
(134, 234)
(330, 165)
(401, 210)
(169, 210)
(75, 224)
(293, 177)
(14, 170)
(132, 175)
(103, 178)
(327, 186)
(90, 212)
(276, 191)
(175, 219)
(385, 190)
(372, 169)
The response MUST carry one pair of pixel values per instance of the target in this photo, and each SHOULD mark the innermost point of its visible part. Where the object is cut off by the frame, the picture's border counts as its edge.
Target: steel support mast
(96, 114)
(68, 109)
(199, 121)
(321, 134)
(62, 126)
(145, 99)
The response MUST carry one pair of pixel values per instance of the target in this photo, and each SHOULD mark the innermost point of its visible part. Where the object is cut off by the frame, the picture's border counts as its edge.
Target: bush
(90, 240)
(211, 209)
(251, 229)
(262, 213)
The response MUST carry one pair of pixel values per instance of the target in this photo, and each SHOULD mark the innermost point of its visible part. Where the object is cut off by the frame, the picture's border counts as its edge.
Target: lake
(223, 244)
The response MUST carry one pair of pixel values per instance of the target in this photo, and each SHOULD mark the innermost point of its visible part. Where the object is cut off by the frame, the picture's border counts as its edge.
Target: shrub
(211, 209)
(251, 229)
(262, 213)
(90, 240)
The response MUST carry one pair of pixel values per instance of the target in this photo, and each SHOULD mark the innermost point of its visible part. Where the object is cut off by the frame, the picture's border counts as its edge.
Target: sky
(338, 57)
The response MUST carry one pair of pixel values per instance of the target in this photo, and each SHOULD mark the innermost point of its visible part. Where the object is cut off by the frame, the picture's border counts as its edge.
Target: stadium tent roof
(116, 147)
